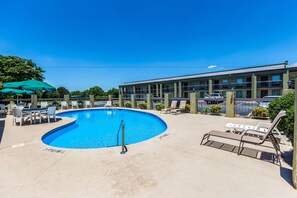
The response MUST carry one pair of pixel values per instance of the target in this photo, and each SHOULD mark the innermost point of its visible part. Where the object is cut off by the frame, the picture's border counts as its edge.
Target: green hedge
(260, 112)
(142, 105)
(284, 103)
(215, 108)
(160, 106)
(187, 109)
(128, 105)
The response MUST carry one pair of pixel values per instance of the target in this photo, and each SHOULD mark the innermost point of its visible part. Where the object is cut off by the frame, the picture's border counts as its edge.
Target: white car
(266, 100)
(214, 98)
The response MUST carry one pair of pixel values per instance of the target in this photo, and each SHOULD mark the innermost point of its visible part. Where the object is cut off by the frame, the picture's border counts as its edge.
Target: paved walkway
(174, 165)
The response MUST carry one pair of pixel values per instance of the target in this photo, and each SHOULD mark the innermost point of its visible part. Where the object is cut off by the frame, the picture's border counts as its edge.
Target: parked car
(214, 98)
(266, 100)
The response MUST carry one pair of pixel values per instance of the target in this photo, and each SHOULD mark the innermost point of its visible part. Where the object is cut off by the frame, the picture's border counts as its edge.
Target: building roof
(278, 66)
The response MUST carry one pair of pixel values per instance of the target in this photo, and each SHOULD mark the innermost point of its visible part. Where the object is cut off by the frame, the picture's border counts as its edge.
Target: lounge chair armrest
(262, 125)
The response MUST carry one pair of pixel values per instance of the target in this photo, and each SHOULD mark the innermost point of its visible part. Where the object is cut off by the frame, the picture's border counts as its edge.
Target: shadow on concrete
(249, 152)
(2, 124)
(43, 121)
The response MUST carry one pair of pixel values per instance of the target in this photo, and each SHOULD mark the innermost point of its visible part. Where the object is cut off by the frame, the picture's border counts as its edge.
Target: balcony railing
(244, 85)
(195, 87)
(270, 84)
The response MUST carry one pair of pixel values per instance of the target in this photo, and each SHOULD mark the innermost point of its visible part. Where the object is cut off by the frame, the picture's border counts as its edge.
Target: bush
(187, 109)
(142, 105)
(55, 103)
(160, 106)
(128, 105)
(284, 103)
(215, 109)
(117, 104)
(260, 112)
(204, 111)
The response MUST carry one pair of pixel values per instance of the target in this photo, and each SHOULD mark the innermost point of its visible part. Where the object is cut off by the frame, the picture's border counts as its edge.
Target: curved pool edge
(99, 108)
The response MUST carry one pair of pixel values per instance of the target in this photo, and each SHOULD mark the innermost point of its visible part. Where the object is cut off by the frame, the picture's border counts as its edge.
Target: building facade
(249, 82)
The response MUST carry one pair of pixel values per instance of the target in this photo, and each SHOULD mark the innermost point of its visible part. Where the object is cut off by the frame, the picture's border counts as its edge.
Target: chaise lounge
(246, 138)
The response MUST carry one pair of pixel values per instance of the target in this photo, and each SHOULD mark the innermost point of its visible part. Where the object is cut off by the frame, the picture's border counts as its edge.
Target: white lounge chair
(173, 106)
(74, 104)
(64, 104)
(260, 127)
(108, 104)
(10, 108)
(18, 114)
(181, 108)
(43, 105)
(87, 104)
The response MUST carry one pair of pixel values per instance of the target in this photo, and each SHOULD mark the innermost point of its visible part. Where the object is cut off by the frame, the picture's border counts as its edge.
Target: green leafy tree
(53, 94)
(13, 68)
(76, 93)
(62, 91)
(114, 92)
(96, 91)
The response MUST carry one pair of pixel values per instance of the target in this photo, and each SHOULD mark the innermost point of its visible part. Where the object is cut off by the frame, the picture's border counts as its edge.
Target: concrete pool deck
(171, 165)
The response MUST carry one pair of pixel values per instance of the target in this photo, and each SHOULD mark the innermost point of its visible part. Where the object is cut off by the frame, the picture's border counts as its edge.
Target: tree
(114, 92)
(76, 93)
(96, 91)
(13, 68)
(62, 91)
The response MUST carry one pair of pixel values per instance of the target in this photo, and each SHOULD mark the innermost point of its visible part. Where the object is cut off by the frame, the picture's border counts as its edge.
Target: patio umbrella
(16, 91)
(33, 85)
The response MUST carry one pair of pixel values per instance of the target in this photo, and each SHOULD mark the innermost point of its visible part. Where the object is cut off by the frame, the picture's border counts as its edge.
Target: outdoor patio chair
(64, 104)
(108, 104)
(74, 104)
(43, 105)
(18, 114)
(51, 112)
(2, 108)
(10, 108)
(172, 106)
(246, 138)
(182, 108)
(261, 127)
(87, 104)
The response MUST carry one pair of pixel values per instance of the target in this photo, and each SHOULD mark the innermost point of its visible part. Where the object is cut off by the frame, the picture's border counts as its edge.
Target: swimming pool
(98, 128)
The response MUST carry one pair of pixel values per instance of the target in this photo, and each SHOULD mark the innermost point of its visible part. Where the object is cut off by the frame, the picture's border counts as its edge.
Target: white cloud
(211, 66)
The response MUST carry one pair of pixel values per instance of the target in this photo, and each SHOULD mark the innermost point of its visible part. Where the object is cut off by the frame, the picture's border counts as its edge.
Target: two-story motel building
(249, 82)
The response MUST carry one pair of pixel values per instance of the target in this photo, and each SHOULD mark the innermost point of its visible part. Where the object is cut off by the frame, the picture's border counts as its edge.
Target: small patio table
(33, 112)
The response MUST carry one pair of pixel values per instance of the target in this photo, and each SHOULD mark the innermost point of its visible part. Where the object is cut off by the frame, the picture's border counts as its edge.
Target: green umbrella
(16, 91)
(33, 85)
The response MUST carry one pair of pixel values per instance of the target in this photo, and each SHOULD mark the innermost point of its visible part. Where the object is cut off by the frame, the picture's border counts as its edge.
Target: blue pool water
(102, 128)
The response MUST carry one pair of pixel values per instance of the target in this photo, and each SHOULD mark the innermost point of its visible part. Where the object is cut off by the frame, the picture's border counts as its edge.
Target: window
(248, 94)
(201, 94)
(239, 80)
(225, 81)
(276, 92)
(225, 84)
(239, 94)
(276, 78)
(224, 93)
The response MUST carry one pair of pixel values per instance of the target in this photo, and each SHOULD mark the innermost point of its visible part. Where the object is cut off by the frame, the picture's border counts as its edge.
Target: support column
(149, 102)
(175, 90)
(209, 86)
(121, 101)
(110, 97)
(230, 104)
(92, 100)
(180, 89)
(33, 101)
(157, 90)
(66, 98)
(134, 90)
(133, 101)
(286, 80)
(161, 91)
(294, 174)
(193, 103)
(254, 86)
(166, 100)
(149, 88)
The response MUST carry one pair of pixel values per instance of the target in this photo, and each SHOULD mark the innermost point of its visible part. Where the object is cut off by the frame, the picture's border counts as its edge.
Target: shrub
(215, 108)
(55, 103)
(187, 109)
(284, 103)
(160, 106)
(117, 104)
(128, 105)
(204, 111)
(142, 105)
(260, 112)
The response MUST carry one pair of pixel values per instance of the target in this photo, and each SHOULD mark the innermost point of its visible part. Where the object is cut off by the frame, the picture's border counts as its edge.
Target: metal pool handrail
(124, 148)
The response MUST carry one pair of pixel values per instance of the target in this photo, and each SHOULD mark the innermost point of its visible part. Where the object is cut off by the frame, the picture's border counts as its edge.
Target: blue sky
(106, 43)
